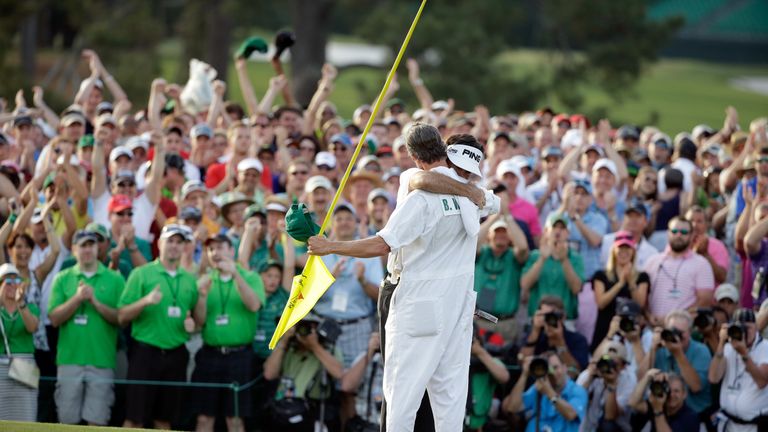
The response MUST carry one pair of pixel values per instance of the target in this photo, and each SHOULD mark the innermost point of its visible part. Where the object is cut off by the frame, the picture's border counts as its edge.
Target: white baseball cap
(727, 290)
(466, 157)
(315, 182)
(607, 164)
(8, 269)
(507, 166)
(499, 224)
(120, 151)
(250, 163)
(325, 158)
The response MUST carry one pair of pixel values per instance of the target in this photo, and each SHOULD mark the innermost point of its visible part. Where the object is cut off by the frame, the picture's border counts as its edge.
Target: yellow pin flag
(314, 280)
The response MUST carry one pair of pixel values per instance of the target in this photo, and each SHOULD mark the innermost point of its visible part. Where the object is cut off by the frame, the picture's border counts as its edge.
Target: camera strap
(374, 369)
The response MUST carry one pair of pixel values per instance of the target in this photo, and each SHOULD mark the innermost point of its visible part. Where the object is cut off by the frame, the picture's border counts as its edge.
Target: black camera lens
(671, 335)
(659, 388)
(627, 324)
(539, 367)
(606, 365)
(303, 328)
(552, 318)
(736, 331)
(704, 318)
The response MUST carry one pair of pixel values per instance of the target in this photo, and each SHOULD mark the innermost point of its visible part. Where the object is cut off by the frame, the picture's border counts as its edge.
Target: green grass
(674, 94)
(11, 426)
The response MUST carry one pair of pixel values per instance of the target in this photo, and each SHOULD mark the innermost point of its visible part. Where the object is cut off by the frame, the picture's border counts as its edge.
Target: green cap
(555, 218)
(49, 180)
(395, 101)
(85, 141)
(98, 229)
(253, 43)
(299, 222)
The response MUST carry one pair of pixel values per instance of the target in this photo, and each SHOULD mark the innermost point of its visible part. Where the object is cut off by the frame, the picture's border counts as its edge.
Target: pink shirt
(526, 212)
(716, 249)
(675, 281)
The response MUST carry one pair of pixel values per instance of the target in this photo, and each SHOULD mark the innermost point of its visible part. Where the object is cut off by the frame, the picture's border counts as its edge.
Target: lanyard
(224, 297)
(11, 318)
(174, 288)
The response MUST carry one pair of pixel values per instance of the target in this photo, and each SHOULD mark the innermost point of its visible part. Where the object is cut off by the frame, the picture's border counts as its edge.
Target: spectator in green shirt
(228, 299)
(105, 246)
(554, 269)
(501, 254)
(157, 298)
(83, 305)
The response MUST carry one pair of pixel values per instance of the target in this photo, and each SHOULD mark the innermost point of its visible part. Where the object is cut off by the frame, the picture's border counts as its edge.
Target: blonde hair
(610, 269)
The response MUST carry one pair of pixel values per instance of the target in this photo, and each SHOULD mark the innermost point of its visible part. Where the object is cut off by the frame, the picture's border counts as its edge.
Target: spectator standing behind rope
(83, 305)
(19, 321)
(228, 299)
(157, 298)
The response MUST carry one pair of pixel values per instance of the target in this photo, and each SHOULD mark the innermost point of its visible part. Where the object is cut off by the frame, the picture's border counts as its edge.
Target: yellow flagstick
(314, 280)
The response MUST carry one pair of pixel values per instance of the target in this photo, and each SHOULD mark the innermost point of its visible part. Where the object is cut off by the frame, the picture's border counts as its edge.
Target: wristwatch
(658, 414)
(23, 305)
(554, 399)
(561, 349)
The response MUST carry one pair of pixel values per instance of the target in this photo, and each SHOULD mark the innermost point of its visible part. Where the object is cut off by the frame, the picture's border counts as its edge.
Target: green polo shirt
(497, 282)
(552, 282)
(154, 325)
(125, 256)
(270, 312)
(19, 339)
(93, 343)
(228, 321)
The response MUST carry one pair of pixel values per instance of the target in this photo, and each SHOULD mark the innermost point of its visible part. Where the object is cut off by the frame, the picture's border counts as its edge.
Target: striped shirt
(675, 281)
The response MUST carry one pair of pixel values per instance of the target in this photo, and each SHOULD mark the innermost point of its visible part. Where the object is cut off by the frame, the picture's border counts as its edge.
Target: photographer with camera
(665, 408)
(548, 334)
(554, 401)
(302, 360)
(486, 371)
(707, 323)
(364, 379)
(629, 327)
(609, 384)
(673, 350)
(741, 364)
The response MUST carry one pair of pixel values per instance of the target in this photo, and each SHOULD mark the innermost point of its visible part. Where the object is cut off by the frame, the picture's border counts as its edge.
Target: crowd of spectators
(147, 242)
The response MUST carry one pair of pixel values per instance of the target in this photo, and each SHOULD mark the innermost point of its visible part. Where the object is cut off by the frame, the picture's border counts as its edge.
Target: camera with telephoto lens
(553, 318)
(539, 367)
(627, 324)
(705, 317)
(736, 331)
(672, 335)
(327, 330)
(606, 365)
(659, 388)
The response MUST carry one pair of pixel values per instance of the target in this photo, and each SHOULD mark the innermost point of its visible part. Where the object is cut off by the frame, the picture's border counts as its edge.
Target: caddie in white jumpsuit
(429, 330)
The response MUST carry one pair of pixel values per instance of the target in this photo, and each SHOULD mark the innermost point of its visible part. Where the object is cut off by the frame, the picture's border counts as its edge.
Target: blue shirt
(699, 357)
(574, 394)
(346, 299)
(590, 255)
(739, 192)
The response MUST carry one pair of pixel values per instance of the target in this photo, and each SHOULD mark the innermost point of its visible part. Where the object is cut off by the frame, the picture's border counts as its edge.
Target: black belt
(347, 321)
(739, 420)
(224, 350)
(163, 351)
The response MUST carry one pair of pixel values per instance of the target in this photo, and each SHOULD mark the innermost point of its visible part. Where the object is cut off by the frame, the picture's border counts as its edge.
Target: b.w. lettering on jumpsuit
(429, 329)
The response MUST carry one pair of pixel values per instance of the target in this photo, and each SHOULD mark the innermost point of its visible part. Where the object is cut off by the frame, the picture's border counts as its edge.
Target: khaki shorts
(84, 393)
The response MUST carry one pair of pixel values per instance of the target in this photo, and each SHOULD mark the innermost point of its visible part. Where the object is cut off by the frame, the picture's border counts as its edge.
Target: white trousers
(428, 343)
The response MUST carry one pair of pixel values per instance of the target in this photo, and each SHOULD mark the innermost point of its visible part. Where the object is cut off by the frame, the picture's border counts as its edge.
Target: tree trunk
(311, 23)
(218, 37)
(29, 46)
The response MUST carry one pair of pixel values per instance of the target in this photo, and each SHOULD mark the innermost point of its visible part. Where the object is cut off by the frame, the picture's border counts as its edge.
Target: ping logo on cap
(471, 154)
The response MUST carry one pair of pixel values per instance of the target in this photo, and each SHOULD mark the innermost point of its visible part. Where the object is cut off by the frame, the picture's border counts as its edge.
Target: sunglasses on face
(12, 280)
(294, 173)
(763, 160)
(126, 184)
(125, 213)
(679, 231)
(624, 237)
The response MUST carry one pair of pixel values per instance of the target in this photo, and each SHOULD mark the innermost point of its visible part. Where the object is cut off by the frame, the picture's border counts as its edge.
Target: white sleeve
(405, 177)
(626, 385)
(408, 222)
